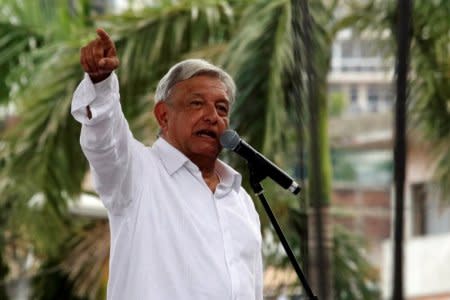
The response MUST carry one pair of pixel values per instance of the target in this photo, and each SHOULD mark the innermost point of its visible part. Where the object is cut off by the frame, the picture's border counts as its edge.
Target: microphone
(231, 140)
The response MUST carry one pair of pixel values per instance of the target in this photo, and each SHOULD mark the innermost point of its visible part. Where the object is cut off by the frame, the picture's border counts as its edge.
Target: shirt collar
(229, 177)
(173, 159)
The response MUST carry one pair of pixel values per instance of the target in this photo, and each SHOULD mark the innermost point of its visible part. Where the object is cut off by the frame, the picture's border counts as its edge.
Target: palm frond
(259, 57)
(41, 155)
(354, 277)
(87, 262)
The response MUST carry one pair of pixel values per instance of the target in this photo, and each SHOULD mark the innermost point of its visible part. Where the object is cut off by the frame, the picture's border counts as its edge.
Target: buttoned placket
(218, 197)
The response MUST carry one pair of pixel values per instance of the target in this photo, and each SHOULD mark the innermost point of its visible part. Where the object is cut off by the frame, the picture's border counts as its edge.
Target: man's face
(194, 116)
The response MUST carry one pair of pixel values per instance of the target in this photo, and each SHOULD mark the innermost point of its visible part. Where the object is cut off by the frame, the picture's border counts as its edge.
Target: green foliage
(25, 26)
(42, 163)
(41, 153)
(354, 277)
(317, 36)
(430, 61)
(337, 104)
(39, 57)
(78, 270)
(259, 57)
(86, 259)
(344, 171)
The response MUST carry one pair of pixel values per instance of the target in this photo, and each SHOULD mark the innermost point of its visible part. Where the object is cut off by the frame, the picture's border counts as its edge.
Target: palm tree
(42, 164)
(41, 157)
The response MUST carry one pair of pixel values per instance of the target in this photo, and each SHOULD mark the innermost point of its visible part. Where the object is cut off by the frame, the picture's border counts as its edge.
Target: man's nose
(211, 114)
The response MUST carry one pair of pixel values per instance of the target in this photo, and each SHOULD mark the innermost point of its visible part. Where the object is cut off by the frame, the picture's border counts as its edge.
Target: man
(182, 227)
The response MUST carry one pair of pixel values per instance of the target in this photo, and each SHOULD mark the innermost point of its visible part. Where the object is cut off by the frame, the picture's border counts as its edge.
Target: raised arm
(106, 139)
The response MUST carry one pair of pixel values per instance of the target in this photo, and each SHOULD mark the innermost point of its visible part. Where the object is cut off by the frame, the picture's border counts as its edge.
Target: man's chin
(212, 152)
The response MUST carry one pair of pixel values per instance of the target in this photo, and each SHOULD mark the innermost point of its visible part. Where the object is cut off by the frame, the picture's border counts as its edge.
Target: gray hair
(190, 68)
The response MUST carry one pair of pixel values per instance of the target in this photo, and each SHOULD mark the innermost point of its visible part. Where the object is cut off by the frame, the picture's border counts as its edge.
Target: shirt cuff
(100, 98)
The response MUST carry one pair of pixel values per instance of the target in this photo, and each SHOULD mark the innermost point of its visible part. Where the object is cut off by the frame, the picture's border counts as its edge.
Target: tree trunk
(318, 55)
(296, 94)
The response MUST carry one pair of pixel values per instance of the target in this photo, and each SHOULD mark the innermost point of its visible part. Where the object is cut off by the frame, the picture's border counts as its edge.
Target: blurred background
(316, 94)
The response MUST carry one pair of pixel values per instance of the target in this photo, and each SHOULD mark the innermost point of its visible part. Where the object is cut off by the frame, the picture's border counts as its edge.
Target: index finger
(104, 36)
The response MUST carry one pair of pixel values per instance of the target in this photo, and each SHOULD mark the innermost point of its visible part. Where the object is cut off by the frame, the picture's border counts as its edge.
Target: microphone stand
(256, 176)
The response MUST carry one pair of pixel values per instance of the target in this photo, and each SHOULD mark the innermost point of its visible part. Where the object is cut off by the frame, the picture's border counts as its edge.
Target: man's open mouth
(206, 133)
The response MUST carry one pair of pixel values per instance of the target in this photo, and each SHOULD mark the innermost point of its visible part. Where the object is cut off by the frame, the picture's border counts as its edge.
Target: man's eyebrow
(201, 95)
(197, 95)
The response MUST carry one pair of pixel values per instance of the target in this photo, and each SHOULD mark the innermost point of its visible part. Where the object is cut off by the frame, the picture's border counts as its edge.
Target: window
(379, 97)
(369, 49)
(373, 97)
(348, 48)
(418, 209)
(360, 55)
(354, 94)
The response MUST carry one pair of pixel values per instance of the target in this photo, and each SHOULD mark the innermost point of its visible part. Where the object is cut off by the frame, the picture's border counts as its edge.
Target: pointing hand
(99, 57)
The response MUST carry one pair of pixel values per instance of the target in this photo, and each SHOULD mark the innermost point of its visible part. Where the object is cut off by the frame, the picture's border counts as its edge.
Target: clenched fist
(99, 57)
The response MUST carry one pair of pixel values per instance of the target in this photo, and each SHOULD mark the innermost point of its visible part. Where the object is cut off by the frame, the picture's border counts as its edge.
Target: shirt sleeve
(106, 141)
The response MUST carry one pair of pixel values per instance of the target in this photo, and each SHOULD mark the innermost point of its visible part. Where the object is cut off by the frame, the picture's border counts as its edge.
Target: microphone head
(229, 139)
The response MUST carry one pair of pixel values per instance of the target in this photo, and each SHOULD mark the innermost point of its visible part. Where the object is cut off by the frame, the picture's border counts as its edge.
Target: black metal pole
(257, 188)
(403, 44)
(256, 176)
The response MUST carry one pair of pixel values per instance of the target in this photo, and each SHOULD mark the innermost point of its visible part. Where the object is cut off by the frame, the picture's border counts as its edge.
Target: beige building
(363, 202)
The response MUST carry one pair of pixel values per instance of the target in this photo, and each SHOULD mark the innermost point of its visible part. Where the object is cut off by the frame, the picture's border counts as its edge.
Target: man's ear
(161, 114)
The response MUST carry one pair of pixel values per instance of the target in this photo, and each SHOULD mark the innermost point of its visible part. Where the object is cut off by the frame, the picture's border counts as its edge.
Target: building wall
(366, 212)
(359, 71)
(426, 268)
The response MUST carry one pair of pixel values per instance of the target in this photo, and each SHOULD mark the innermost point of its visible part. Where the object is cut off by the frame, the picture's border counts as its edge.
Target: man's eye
(196, 103)
(222, 109)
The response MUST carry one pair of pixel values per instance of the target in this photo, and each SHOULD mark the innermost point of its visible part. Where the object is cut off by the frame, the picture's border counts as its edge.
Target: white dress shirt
(171, 237)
